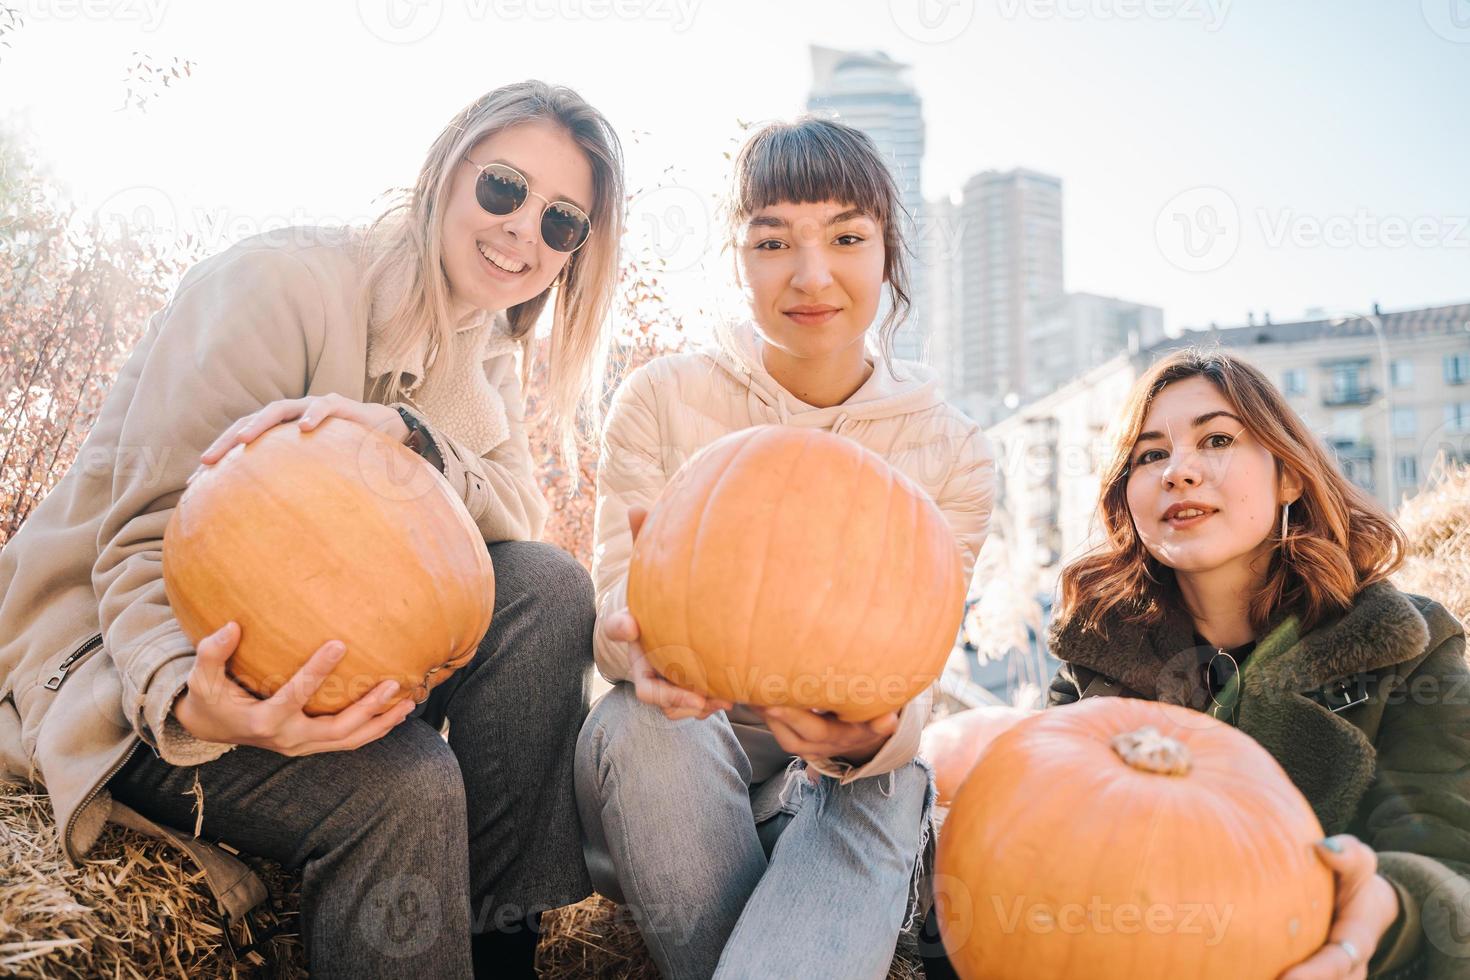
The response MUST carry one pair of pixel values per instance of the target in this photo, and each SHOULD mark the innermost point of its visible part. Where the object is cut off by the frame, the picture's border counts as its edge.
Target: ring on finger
(1354, 957)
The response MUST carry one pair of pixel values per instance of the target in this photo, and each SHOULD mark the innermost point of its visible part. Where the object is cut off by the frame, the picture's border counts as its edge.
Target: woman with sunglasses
(757, 841)
(417, 854)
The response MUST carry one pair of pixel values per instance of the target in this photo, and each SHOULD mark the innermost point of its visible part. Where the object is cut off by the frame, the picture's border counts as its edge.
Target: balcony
(1354, 395)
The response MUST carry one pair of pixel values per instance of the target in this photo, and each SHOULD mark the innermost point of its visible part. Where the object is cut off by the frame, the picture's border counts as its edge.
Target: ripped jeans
(784, 878)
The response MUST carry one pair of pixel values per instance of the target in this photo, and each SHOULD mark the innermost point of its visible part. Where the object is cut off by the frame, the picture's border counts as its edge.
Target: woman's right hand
(649, 685)
(217, 709)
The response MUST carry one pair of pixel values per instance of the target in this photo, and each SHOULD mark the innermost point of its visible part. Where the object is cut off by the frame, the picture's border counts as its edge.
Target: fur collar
(1383, 627)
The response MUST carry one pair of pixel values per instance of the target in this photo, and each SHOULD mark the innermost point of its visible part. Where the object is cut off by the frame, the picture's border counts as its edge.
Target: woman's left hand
(812, 735)
(310, 412)
(1365, 908)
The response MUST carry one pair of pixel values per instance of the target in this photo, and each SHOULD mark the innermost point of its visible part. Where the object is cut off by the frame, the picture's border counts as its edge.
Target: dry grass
(137, 909)
(1437, 523)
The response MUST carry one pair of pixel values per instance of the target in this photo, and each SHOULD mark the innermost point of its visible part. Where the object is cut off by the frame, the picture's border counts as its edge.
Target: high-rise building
(1010, 272)
(870, 91)
(1079, 332)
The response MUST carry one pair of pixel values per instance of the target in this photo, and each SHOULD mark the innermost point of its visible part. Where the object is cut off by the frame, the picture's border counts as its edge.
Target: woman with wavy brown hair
(1242, 575)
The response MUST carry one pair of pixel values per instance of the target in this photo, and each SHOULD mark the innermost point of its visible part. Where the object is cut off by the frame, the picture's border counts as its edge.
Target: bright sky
(1218, 156)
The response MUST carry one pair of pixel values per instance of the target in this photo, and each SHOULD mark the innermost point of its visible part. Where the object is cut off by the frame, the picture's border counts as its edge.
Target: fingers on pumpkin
(312, 674)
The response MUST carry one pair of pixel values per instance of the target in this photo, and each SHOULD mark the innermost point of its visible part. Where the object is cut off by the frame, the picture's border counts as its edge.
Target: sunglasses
(501, 190)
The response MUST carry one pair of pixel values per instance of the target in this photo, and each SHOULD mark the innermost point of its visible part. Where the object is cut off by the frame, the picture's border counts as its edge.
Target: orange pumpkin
(340, 533)
(789, 566)
(1117, 838)
(952, 745)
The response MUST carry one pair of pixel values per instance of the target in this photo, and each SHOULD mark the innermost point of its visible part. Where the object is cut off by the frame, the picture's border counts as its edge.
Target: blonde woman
(408, 845)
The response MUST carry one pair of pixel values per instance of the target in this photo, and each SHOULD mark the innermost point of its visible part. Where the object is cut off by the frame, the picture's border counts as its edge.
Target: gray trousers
(409, 843)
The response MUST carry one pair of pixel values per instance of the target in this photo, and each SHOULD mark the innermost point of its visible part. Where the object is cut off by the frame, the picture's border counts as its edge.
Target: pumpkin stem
(1149, 750)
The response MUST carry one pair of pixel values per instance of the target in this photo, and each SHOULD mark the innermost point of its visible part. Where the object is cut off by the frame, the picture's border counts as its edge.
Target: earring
(1285, 509)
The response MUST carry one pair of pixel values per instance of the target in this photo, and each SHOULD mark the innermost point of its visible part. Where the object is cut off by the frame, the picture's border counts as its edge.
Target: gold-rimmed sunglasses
(502, 189)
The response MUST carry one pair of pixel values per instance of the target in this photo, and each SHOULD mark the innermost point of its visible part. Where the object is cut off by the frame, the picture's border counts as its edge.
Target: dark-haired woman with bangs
(1242, 575)
(771, 842)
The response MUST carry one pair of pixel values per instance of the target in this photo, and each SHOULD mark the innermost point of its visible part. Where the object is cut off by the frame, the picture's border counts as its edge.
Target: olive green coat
(1370, 717)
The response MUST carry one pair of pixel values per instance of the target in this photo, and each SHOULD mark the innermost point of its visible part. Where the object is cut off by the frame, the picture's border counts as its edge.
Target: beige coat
(671, 408)
(91, 658)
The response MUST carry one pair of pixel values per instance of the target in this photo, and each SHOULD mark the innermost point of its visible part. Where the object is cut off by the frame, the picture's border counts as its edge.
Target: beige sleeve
(242, 330)
(630, 473)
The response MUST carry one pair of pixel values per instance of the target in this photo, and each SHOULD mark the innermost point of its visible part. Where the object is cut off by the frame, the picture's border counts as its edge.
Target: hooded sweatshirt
(669, 409)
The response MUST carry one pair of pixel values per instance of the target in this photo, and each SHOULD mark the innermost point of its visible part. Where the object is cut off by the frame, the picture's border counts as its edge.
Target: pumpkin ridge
(816, 618)
(759, 592)
(858, 623)
(696, 551)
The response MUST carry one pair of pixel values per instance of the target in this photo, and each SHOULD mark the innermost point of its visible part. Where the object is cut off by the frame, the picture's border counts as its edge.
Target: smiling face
(1202, 491)
(494, 262)
(812, 274)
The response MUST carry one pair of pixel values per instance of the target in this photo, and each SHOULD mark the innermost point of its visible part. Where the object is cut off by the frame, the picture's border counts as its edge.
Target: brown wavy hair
(1339, 540)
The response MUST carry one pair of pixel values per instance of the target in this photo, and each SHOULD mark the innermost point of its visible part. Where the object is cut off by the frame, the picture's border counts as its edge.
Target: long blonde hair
(404, 243)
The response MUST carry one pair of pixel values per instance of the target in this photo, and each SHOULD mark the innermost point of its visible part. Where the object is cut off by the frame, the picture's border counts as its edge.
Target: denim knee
(621, 727)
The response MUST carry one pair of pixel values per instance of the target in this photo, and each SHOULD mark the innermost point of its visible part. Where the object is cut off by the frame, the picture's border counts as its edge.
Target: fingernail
(339, 650)
(390, 690)
(220, 633)
(1332, 844)
(190, 478)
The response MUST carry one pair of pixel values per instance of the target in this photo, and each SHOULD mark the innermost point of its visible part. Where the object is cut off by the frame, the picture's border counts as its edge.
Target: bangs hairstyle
(812, 160)
(1339, 540)
(404, 243)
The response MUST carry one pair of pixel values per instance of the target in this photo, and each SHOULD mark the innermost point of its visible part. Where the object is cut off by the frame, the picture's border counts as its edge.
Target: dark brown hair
(812, 160)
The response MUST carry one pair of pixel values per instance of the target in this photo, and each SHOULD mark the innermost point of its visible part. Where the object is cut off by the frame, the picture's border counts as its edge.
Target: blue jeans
(784, 878)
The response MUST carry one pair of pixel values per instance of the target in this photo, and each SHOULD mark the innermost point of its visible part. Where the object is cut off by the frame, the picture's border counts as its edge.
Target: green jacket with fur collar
(1370, 717)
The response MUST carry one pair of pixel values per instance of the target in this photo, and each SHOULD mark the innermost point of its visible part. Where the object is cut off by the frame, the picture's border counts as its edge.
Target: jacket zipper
(87, 801)
(55, 681)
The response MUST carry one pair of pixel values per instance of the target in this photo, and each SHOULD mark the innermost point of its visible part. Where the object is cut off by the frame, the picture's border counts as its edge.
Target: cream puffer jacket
(669, 409)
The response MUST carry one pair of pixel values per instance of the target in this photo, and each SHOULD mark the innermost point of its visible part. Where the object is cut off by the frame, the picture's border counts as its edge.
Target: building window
(1456, 369)
(1294, 381)
(1405, 425)
(1408, 472)
(1401, 374)
(1457, 417)
(1347, 384)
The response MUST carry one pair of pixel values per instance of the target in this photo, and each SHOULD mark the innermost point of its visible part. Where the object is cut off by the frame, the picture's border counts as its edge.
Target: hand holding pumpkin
(216, 709)
(1365, 908)
(648, 685)
(815, 736)
(310, 412)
